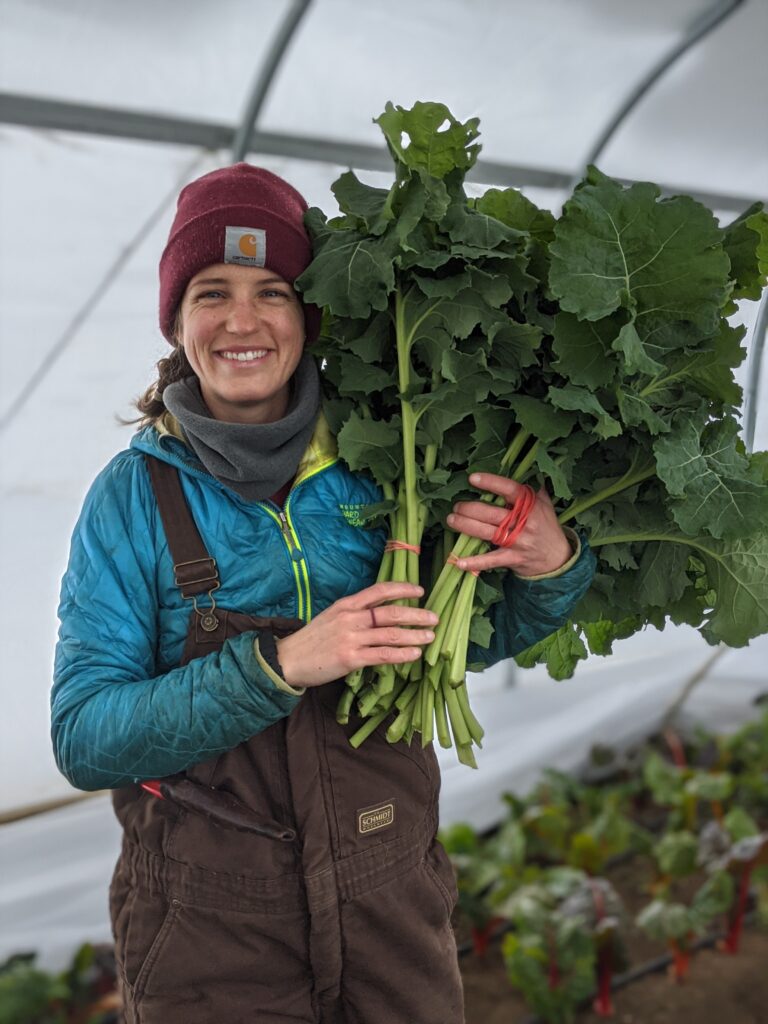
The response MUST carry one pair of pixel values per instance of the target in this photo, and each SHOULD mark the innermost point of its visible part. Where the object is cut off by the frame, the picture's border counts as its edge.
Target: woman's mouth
(243, 355)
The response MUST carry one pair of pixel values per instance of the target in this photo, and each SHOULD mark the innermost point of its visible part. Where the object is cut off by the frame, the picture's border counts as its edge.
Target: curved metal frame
(752, 387)
(719, 11)
(264, 77)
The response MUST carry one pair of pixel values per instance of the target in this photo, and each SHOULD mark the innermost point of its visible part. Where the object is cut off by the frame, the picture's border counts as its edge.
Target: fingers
(381, 592)
(498, 558)
(483, 529)
(501, 485)
(398, 615)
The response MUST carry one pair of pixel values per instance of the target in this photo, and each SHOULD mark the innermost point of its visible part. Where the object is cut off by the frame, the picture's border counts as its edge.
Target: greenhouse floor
(720, 988)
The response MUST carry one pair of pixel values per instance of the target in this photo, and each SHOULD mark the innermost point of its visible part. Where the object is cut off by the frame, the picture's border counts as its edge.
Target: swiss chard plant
(594, 351)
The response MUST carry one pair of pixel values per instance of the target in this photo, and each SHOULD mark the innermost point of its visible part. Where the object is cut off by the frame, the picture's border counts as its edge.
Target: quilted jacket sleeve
(534, 608)
(114, 719)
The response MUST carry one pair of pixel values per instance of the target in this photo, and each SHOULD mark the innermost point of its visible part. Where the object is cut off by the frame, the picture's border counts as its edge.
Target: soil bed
(719, 989)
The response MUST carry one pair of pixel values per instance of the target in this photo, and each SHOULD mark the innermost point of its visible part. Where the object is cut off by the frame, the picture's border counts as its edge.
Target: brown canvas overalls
(292, 879)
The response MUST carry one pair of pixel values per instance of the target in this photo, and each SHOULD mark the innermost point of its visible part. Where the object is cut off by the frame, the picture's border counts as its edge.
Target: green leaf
(636, 358)
(676, 854)
(625, 248)
(664, 921)
(583, 350)
(513, 345)
(740, 825)
(481, 631)
(370, 205)
(705, 369)
(351, 273)
(710, 786)
(482, 234)
(600, 635)
(512, 208)
(354, 377)
(636, 411)
(554, 473)
(661, 579)
(737, 574)
(560, 652)
(581, 400)
(541, 420)
(702, 466)
(371, 445)
(746, 242)
(713, 898)
(428, 137)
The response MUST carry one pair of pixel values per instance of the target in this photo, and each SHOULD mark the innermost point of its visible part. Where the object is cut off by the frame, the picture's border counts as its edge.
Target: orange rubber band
(400, 545)
(513, 523)
(453, 560)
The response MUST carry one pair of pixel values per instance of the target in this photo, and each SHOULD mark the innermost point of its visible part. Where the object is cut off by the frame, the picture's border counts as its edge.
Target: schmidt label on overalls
(372, 819)
(246, 246)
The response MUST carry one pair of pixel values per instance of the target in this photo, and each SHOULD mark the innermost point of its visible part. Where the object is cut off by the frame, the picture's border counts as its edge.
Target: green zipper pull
(296, 553)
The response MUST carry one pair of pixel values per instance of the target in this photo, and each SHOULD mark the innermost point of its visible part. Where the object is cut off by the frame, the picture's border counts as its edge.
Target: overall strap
(194, 570)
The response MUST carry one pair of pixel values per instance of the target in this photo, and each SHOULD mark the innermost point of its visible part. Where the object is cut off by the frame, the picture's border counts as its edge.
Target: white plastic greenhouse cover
(84, 217)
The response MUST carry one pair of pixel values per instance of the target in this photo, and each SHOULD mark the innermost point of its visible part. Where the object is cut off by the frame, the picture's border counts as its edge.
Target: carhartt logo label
(246, 246)
(374, 818)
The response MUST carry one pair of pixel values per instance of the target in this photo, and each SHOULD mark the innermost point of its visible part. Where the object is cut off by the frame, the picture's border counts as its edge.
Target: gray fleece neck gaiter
(255, 460)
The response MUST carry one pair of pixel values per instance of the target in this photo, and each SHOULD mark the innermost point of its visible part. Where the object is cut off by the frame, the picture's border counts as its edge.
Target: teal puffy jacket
(122, 708)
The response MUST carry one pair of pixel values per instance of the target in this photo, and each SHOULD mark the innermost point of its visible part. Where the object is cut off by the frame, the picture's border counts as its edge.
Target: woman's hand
(357, 631)
(542, 546)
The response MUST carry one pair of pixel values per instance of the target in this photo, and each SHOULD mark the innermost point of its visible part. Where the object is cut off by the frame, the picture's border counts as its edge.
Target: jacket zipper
(300, 572)
(290, 537)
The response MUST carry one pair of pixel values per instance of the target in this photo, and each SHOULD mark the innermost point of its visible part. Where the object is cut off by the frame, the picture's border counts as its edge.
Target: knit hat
(239, 214)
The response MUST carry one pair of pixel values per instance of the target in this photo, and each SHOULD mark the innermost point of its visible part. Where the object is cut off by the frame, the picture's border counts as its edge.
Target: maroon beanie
(239, 214)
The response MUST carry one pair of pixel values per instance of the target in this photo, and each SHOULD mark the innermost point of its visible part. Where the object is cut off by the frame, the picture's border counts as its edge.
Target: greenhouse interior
(654, 735)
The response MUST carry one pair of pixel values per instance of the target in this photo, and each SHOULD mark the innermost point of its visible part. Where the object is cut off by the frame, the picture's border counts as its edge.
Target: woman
(215, 597)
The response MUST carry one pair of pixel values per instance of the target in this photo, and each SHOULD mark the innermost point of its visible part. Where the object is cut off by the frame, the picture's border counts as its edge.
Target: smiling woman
(217, 594)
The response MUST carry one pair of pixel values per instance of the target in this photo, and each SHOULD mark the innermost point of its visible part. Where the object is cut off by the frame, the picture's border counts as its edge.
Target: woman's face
(242, 329)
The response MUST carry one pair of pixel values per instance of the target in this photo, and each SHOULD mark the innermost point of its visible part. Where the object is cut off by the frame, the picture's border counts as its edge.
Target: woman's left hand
(541, 547)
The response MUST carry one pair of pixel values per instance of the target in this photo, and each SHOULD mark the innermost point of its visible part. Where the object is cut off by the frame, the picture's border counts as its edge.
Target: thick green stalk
(459, 659)
(461, 733)
(632, 477)
(516, 446)
(462, 609)
(475, 729)
(427, 715)
(432, 651)
(345, 705)
(375, 721)
(371, 725)
(409, 441)
(441, 720)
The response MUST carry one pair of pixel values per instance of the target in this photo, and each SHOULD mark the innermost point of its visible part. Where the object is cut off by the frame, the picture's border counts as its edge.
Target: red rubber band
(513, 523)
(400, 545)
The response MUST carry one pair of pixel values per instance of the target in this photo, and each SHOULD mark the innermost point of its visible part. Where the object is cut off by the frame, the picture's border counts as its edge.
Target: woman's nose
(243, 318)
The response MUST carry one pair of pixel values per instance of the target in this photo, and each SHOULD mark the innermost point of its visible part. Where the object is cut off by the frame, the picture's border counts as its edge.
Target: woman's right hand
(357, 631)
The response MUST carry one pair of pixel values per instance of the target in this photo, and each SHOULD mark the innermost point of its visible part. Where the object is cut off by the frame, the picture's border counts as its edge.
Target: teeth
(244, 357)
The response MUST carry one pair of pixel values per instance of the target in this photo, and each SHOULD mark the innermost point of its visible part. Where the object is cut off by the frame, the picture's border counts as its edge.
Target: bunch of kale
(593, 350)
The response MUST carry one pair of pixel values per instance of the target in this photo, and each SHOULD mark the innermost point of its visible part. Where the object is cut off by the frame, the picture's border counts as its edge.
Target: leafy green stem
(632, 477)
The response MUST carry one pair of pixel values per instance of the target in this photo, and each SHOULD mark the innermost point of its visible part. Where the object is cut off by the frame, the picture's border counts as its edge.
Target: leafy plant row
(697, 814)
